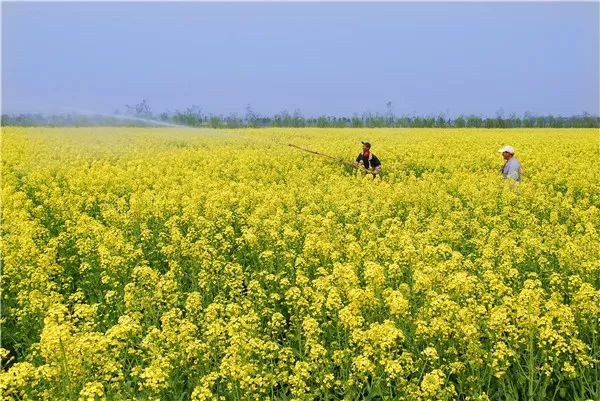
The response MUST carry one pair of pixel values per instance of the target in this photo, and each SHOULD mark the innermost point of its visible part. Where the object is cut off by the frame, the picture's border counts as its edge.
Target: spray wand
(327, 156)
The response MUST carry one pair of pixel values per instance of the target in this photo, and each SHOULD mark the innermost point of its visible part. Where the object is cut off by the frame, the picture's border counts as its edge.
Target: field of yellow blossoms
(174, 264)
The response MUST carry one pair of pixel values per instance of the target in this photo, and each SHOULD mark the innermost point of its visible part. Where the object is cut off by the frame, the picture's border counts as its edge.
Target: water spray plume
(133, 118)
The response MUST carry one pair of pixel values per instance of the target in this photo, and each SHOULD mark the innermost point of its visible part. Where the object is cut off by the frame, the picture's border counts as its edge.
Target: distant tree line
(141, 115)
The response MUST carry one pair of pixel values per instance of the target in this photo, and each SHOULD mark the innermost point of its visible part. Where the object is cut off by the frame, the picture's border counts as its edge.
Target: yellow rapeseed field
(173, 264)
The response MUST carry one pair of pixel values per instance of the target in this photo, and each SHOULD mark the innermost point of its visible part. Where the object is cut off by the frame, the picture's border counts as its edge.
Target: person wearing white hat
(512, 167)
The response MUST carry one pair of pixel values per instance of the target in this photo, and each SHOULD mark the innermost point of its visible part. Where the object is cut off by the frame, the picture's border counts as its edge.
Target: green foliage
(193, 117)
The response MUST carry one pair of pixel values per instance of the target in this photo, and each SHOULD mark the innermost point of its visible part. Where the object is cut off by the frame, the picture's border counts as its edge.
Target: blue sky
(321, 58)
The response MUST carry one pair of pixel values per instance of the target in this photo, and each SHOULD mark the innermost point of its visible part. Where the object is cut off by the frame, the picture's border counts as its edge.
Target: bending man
(369, 160)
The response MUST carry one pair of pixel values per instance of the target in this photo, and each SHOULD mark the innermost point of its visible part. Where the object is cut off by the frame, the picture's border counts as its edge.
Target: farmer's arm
(376, 165)
(513, 171)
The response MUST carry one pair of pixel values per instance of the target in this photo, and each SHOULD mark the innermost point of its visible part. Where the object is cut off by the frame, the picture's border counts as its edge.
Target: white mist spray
(132, 118)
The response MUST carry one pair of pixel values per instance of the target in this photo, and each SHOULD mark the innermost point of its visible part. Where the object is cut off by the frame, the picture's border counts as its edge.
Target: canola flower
(132, 268)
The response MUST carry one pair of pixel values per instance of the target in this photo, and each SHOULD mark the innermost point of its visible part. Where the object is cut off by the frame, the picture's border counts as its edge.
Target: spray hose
(342, 161)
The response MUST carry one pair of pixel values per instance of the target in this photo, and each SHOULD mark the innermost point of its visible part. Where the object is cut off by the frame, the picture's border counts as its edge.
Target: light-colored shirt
(512, 169)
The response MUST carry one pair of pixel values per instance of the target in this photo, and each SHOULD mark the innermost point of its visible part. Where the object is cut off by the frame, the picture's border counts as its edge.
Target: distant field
(173, 264)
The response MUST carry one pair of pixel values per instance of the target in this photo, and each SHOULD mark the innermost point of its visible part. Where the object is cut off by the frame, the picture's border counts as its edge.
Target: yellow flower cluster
(166, 264)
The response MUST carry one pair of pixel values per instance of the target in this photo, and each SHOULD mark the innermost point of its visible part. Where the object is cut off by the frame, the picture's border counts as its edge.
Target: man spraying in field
(512, 167)
(369, 160)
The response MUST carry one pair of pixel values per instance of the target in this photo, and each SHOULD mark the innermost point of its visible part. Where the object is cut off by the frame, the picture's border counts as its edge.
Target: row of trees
(141, 115)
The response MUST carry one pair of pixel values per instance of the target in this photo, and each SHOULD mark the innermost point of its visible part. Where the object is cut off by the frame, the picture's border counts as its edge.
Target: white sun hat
(508, 149)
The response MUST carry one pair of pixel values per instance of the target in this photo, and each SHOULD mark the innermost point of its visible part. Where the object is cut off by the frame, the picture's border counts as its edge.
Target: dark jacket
(371, 162)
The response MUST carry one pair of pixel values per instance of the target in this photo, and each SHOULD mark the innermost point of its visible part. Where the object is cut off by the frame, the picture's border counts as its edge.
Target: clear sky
(321, 58)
